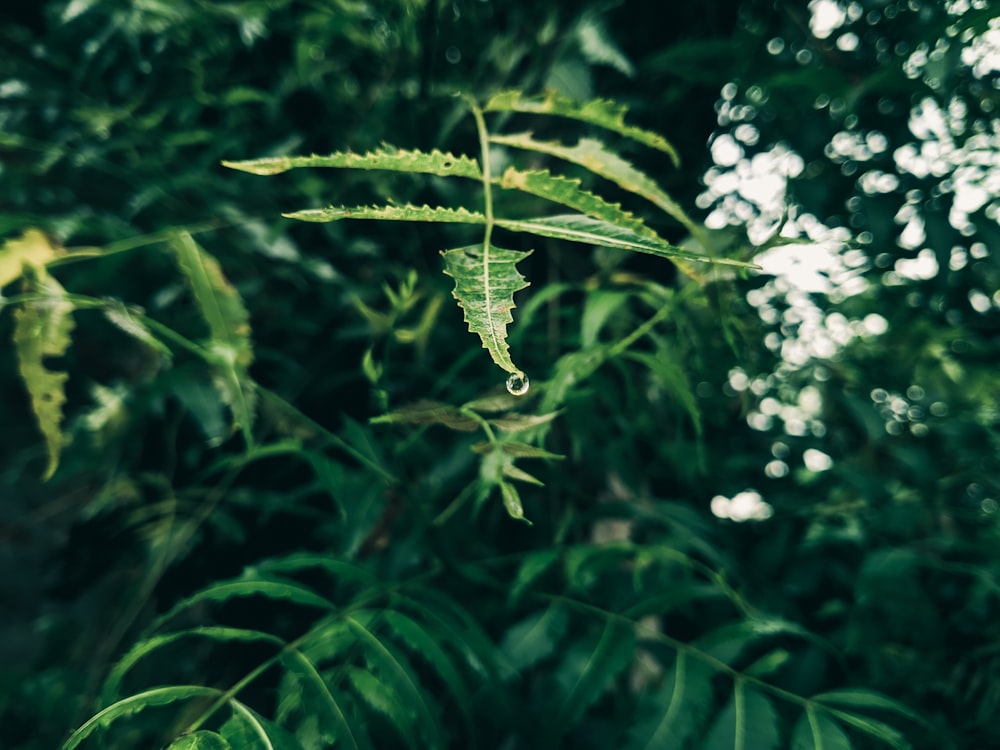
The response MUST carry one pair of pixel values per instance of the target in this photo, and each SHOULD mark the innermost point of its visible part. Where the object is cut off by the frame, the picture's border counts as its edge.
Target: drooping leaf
(748, 722)
(161, 696)
(863, 698)
(42, 329)
(229, 329)
(200, 740)
(567, 192)
(601, 112)
(675, 710)
(873, 727)
(817, 731)
(320, 702)
(592, 155)
(396, 160)
(33, 247)
(486, 278)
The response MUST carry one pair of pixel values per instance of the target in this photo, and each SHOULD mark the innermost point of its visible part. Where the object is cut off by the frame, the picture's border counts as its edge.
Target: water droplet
(517, 384)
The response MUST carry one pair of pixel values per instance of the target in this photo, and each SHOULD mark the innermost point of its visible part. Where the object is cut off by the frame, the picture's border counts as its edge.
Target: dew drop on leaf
(517, 385)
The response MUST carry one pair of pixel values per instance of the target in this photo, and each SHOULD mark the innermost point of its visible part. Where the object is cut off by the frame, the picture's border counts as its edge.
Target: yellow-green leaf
(42, 329)
(32, 247)
(395, 160)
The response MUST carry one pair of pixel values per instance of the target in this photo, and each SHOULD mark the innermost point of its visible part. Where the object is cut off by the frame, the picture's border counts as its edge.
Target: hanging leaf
(396, 160)
(248, 730)
(748, 722)
(676, 709)
(817, 731)
(486, 278)
(42, 329)
(229, 329)
(33, 247)
(601, 112)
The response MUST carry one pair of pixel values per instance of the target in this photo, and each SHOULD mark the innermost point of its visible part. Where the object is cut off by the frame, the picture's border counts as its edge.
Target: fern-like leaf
(601, 112)
(390, 159)
(390, 213)
(748, 722)
(42, 329)
(229, 328)
(817, 731)
(486, 278)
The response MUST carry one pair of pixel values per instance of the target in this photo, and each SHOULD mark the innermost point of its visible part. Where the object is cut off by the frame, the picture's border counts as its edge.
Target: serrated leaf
(200, 740)
(390, 213)
(396, 160)
(162, 696)
(512, 502)
(42, 329)
(567, 192)
(817, 731)
(428, 413)
(592, 155)
(589, 231)
(229, 329)
(486, 279)
(601, 112)
(676, 709)
(748, 722)
(33, 247)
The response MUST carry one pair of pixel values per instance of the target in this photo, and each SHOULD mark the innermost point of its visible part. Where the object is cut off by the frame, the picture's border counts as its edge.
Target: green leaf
(817, 731)
(129, 320)
(534, 638)
(200, 740)
(866, 699)
(319, 701)
(42, 329)
(408, 212)
(587, 673)
(567, 192)
(33, 248)
(380, 696)
(878, 729)
(676, 709)
(396, 160)
(238, 589)
(601, 112)
(148, 645)
(592, 155)
(229, 329)
(512, 502)
(486, 278)
(248, 730)
(402, 680)
(161, 696)
(748, 722)
(428, 413)
(533, 565)
(584, 229)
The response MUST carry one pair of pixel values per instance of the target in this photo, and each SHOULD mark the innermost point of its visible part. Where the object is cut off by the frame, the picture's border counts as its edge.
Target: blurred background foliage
(818, 442)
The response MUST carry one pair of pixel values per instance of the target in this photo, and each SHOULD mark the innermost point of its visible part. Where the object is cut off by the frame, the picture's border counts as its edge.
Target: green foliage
(257, 489)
